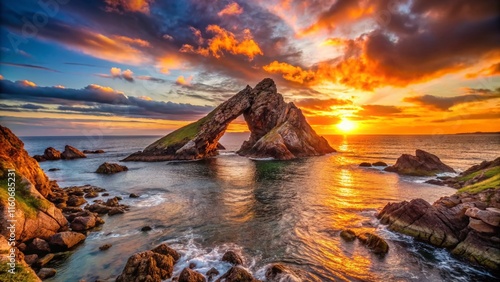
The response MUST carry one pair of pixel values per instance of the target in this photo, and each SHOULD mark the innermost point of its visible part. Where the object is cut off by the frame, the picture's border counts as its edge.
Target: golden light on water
(346, 125)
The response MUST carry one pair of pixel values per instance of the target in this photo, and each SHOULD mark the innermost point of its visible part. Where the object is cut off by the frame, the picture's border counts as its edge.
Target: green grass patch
(492, 182)
(24, 199)
(180, 135)
(22, 274)
(487, 173)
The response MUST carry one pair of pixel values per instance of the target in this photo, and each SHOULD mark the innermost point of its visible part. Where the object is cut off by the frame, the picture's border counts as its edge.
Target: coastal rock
(71, 153)
(38, 246)
(236, 274)
(54, 169)
(375, 243)
(82, 223)
(212, 273)
(66, 240)
(134, 195)
(38, 218)
(22, 268)
(279, 273)
(105, 247)
(147, 266)
(465, 223)
(348, 235)
(110, 168)
(278, 130)
(379, 164)
(422, 164)
(188, 275)
(164, 249)
(41, 262)
(199, 139)
(51, 154)
(93, 151)
(146, 228)
(232, 257)
(75, 201)
(365, 164)
(31, 259)
(45, 273)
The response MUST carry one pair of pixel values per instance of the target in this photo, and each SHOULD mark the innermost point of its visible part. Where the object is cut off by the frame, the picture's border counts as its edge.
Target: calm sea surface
(271, 211)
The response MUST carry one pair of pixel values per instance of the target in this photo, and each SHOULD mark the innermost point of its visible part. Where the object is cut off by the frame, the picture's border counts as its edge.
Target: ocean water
(269, 211)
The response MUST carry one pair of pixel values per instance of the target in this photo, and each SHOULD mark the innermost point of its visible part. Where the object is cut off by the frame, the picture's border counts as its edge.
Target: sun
(346, 125)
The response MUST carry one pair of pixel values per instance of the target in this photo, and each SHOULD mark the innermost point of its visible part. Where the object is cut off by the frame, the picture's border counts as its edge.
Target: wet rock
(192, 265)
(105, 247)
(91, 194)
(39, 158)
(423, 164)
(365, 164)
(31, 259)
(41, 262)
(54, 169)
(115, 211)
(51, 154)
(374, 242)
(105, 194)
(379, 164)
(348, 235)
(110, 168)
(45, 273)
(479, 249)
(66, 240)
(71, 153)
(236, 274)
(279, 273)
(93, 151)
(113, 202)
(232, 257)
(146, 228)
(147, 266)
(133, 195)
(98, 208)
(188, 275)
(435, 182)
(75, 201)
(38, 246)
(164, 249)
(212, 273)
(82, 223)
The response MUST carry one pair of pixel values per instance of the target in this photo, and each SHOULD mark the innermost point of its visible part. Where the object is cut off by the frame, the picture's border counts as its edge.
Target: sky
(147, 67)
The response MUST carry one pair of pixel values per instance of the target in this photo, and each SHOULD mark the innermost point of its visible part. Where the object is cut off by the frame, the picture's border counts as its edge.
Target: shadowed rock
(188, 275)
(110, 168)
(71, 153)
(278, 130)
(422, 164)
(147, 266)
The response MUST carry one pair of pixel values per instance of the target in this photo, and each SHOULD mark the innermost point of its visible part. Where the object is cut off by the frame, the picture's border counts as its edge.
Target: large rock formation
(467, 224)
(422, 164)
(278, 130)
(35, 216)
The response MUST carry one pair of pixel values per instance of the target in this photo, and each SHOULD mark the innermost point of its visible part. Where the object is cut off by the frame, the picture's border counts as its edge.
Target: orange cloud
(129, 5)
(100, 88)
(184, 81)
(225, 41)
(494, 69)
(27, 83)
(133, 41)
(167, 63)
(231, 9)
(291, 73)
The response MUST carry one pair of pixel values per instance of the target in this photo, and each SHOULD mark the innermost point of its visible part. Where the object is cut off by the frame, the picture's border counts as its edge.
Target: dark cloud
(21, 108)
(97, 99)
(445, 103)
(477, 116)
(28, 66)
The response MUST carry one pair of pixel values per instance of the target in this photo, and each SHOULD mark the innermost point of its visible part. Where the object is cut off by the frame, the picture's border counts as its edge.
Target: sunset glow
(333, 59)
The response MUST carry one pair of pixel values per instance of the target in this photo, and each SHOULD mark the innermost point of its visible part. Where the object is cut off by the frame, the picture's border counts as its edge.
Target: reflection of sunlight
(344, 147)
(345, 178)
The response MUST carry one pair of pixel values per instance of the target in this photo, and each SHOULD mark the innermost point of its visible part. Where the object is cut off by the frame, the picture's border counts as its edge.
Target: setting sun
(346, 125)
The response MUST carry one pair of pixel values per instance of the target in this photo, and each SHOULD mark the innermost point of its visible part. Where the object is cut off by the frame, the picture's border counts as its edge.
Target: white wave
(263, 159)
(149, 200)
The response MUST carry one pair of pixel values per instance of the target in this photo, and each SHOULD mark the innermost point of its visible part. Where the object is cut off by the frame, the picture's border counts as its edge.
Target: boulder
(279, 273)
(134, 195)
(82, 223)
(188, 275)
(213, 272)
(422, 164)
(490, 216)
(481, 227)
(110, 168)
(54, 169)
(147, 266)
(45, 273)
(365, 164)
(41, 262)
(232, 257)
(146, 228)
(379, 164)
(278, 130)
(348, 235)
(164, 249)
(479, 249)
(236, 274)
(51, 154)
(31, 259)
(91, 194)
(66, 240)
(98, 208)
(75, 201)
(105, 247)
(116, 210)
(71, 153)
(93, 151)
(375, 243)
(38, 246)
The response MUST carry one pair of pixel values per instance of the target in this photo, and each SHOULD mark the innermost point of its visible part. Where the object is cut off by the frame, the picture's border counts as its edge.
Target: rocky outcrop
(278, 130)
(236, 274)
(65, 240)
(110, 168)
(22, 270)
(93, 151)
(467, 224)
(188, 275)
(232, 258)
(422, 164)
(50, 154)
(71, 153)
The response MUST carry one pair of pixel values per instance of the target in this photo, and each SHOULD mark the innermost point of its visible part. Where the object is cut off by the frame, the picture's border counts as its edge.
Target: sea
(288, 212)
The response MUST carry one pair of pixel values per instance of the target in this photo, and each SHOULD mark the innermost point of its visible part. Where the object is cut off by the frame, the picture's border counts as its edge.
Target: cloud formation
(230, 10)
(432, 102)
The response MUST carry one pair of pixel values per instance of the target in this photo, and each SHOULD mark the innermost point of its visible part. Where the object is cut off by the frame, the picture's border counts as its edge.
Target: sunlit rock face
(278, 130)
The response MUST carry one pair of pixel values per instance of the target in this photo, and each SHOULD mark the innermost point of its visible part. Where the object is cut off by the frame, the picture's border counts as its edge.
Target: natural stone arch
(277, 129)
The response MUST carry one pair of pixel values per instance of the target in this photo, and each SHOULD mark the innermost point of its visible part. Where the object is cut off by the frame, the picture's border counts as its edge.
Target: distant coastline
(477, 132)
